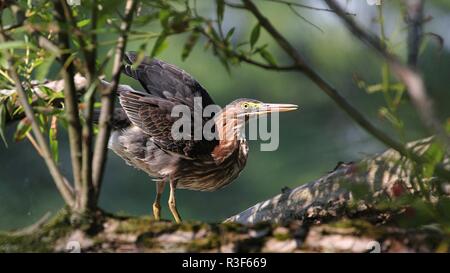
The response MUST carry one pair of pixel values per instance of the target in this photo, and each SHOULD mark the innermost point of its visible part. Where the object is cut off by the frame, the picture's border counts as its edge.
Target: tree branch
(108, 97)
(88, 193)
(414, 19)
(294, 4)
(70, 98)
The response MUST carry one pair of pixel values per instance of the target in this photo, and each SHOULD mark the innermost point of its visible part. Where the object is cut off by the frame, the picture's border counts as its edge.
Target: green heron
(142, 131)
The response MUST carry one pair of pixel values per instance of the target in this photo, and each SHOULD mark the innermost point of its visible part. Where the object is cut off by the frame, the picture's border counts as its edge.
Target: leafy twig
(294, 4)
(61, 183)
(243, 57)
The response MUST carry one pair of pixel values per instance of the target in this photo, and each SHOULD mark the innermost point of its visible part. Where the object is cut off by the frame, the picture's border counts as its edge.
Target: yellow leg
(172, 202)
(157, 203)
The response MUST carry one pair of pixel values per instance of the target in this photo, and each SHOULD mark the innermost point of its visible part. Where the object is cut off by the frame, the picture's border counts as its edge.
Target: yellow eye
(245, 105)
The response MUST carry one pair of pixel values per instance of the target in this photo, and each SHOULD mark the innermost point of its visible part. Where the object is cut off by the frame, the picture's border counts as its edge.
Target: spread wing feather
(165, 80)
(166, 86)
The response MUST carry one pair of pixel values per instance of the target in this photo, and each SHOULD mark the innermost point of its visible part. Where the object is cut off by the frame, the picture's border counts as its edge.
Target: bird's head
(248, 108)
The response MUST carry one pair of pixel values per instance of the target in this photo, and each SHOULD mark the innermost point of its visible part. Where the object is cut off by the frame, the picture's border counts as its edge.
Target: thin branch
(70, 97)
(108, 97)
(233, 5)
(414, 19)
(294, 4)
(409, 76)
(48, 45)
(331, 91)
(243, 57)
(35, 145)
(304, 19)
(60, 181)
(88, 193)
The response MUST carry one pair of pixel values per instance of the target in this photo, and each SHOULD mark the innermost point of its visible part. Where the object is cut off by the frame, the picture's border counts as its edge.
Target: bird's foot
(173, 209)
(157, 211)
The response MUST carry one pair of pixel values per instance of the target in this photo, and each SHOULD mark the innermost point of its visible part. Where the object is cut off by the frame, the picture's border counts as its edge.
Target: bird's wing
(165, 80)
(152, 115)
(167, 86)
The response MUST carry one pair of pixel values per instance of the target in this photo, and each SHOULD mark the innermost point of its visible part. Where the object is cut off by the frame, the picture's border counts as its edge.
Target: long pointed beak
(276, 107)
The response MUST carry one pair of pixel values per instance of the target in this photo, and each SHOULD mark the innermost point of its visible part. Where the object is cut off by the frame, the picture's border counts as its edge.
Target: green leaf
(260, 48)
(220, 9)
(179, 23)
(15, 44)
(43, 68)
(268, 57)
(254, 36)
(23, 127)
(374, 88)
(3, 123)
(224, 61)
(83, 23)
(160, 45)
(385, 113)
(229, 34)
(447, 126)
(434, 154)
(189, 45)
(164, 15)
(43, 124)
(52, 135)
(214, 34)
(207, 45)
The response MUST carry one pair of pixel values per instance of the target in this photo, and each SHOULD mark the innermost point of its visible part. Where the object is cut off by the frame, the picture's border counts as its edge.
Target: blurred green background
(312, 140)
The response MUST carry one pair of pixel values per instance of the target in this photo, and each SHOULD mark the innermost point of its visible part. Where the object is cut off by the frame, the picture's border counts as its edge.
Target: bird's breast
(206, 174)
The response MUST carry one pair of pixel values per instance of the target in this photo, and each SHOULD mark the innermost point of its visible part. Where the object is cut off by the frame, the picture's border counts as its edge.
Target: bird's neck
(229, 130)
